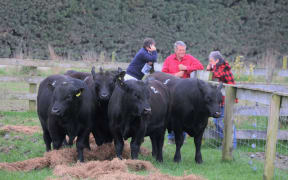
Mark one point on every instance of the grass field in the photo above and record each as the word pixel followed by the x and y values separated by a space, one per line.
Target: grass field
pixel 18 147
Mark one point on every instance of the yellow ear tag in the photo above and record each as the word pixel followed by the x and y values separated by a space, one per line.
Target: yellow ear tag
pixel 77 95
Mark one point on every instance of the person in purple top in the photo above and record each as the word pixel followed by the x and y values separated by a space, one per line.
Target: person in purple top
pixel 143 60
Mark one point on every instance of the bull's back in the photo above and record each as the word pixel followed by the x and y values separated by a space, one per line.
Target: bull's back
pixel 77 74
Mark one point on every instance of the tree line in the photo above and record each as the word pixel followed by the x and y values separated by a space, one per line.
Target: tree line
pixel 76 29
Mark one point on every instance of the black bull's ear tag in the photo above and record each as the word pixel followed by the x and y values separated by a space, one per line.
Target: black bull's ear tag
pixel 78 94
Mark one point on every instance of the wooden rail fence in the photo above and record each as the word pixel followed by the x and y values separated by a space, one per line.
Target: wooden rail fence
pixel 277 102
pixel 61 64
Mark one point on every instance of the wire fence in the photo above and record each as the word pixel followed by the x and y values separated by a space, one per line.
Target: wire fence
pixel 251 134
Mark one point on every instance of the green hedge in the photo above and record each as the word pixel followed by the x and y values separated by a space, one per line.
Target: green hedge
pixel 76 27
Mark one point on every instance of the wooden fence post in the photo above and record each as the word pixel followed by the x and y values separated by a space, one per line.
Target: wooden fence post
pixel 284 62
pixel 272 131
pixel 230 95
pixel 210 76
pixel 32 90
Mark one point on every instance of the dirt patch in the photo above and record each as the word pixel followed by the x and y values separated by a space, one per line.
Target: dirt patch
pixel 281 161
pixel 7 149
pixel 21 129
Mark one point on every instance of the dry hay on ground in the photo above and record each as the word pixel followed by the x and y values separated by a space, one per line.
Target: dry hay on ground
pixel 68 156
pixel 114 170
pixel 96 169
pixel 100 162
pixel 21 129
pixel 65 166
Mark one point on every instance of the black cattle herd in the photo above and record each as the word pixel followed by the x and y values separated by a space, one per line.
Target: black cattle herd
pixel 78 103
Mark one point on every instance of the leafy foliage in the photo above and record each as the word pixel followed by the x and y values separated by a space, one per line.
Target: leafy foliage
pixel 74 27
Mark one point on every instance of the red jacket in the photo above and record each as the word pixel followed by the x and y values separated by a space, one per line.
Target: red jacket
pixel 223 73
pixel 171 64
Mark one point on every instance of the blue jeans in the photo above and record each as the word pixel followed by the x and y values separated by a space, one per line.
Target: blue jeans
pixel 172 136
pixel 220 125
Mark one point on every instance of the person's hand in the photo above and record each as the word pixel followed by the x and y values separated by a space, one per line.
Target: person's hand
pixel 179 74
pixel 152 48
pixel 209 67
pixel 182 67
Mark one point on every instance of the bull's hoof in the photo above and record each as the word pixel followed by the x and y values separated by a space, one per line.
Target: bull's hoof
pixel 120 157
pixel 81 161
pixel 88 147
pixel 199 161
pixel 177 160
pixel 159 160
pixel 134 157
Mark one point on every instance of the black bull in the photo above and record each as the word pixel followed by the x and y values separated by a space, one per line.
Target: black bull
pixel 138 109
pixel 192 101
pixel 101 85
pixel 64 108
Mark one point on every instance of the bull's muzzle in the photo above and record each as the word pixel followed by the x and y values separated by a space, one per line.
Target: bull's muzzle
pixel 216 114
pixel 147 111
pixel 56 111
pixel 104 96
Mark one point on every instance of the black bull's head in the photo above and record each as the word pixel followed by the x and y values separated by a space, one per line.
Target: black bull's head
pixel 104 82
pixel 67 97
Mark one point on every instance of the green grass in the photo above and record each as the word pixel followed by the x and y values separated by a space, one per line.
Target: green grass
pixel 253 123
pixel 213 168
pixel 19 118
pixel 2 72
pixel 35 175
pixel 26 147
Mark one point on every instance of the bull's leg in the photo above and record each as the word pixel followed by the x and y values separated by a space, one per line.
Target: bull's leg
pixel 179 138
pixel 119 145
pixel 47 139
pixel 154 146
pixel 57 142
pixel 160 142
pixel 135 147
pixel 81 144
pixel 57 138
pixel 197 142
pixel 87 143
pixel 99 141
pixel 71 139
pixel 65 143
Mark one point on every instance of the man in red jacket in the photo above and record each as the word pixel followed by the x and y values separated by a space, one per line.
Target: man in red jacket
pixel 180 65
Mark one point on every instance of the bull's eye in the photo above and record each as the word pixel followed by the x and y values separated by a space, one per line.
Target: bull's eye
pixel 137 96
pixel 68 98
